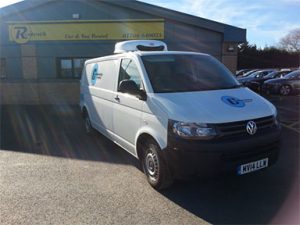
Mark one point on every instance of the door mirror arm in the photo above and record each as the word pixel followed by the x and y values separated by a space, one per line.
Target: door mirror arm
pixel 130 87
pixel 142 95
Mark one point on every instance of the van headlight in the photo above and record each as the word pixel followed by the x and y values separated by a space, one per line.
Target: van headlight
pixel 192 130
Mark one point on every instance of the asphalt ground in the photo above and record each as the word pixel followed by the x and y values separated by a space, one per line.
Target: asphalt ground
pixel 51 172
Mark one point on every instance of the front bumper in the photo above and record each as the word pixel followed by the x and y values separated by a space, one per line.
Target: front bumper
pixel 210 158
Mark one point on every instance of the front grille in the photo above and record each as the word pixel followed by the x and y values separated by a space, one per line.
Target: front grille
pixel 261 151
pixel 238 129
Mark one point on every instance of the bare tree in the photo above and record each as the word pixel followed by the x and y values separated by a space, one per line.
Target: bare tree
pixel 291 41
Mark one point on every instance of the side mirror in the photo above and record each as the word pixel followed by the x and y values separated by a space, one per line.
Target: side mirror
pixel 130 87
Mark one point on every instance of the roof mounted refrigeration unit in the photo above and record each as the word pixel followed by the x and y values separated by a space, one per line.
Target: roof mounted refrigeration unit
pixel 140 45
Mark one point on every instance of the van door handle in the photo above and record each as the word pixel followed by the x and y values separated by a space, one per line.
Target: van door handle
pixel 117 98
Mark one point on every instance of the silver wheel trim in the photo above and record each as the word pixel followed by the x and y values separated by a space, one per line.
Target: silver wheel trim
pixel 152 165
pixel 285 90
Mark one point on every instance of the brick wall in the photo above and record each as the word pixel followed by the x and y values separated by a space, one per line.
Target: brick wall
pixel 229 55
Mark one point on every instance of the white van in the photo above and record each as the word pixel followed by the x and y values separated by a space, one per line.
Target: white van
pixel 179 113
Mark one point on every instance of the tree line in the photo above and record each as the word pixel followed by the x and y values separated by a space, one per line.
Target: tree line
pixel 285 55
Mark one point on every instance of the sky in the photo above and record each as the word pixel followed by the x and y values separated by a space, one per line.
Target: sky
pixel 266 21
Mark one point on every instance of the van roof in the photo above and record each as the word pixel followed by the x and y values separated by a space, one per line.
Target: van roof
pixel 141 53
pixel 168 53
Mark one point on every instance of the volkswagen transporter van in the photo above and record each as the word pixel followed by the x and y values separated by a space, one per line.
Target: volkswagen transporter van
pixel 179 113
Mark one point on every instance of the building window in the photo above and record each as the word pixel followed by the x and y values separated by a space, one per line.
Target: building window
pixel 3 68
pixel 70 67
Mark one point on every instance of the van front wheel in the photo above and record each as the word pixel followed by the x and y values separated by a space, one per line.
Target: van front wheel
pixel 155 168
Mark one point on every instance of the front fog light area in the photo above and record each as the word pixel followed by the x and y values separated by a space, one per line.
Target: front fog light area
pixel 192 130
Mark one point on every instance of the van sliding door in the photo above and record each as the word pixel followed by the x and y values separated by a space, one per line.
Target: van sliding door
pixel 103 80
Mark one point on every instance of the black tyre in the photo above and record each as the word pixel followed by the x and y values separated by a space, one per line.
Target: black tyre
pixel 155 167
pixel 285 90
pixel 88 125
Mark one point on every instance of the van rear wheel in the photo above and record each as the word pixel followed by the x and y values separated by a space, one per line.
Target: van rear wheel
pixel 155 168
pixel 88 125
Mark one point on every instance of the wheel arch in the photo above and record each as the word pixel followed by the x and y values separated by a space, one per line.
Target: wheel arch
pixel 85 111
pixel 145 135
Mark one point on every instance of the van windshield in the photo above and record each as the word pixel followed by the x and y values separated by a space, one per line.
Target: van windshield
pixel 187 73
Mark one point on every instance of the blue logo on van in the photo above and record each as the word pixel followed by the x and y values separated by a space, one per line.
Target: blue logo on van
pixel 94 74
pixel 233 101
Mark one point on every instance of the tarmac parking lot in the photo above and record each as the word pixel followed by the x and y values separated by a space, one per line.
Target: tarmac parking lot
pixel 51 172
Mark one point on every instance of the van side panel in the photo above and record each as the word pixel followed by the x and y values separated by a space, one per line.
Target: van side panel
pixel 155 122
pixel 83 87
pixel 127 118
pixel 102 77
pixel 85 96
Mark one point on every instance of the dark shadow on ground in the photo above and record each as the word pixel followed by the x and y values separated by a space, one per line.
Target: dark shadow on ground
pixel 55 130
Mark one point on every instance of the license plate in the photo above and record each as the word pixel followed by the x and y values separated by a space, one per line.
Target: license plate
pixel 252 166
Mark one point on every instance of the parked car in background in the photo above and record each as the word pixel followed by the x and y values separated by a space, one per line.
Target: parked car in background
pixel 284 86
pixel 287 69
pixel 255 76
pixel 256 84
pixel 242 72
pixel 247 73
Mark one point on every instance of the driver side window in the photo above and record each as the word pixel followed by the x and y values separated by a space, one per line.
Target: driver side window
pixel 129 71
